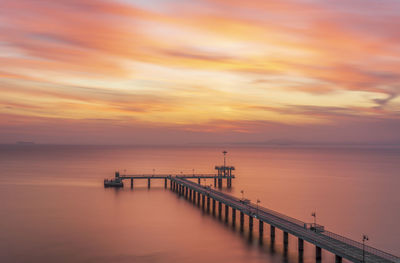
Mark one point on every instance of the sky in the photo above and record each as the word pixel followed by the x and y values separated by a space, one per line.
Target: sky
pixel 205 71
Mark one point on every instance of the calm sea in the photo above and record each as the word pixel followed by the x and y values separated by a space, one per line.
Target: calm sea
pixel 53 207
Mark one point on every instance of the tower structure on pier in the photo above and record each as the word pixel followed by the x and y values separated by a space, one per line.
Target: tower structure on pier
pixel 225 172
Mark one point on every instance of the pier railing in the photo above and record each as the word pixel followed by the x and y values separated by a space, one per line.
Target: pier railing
pixel 360 246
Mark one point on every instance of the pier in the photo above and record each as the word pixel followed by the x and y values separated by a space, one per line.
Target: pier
pixel 207 198
pixel 341 247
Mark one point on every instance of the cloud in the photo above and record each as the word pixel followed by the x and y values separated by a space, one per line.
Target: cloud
pixel 281 62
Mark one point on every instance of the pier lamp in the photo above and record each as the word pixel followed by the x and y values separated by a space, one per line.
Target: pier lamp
pixel 314 214
pixel 364 238
pixel 242 192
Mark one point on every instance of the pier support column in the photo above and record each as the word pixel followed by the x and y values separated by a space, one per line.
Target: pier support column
pixel 260 228
pixel 190 194
pixel 226 213
pixel 251 225
pixel 338 259
pixel 219 209
pixel 198 199
pixel 301 245
pixel 186 192
pixel 131 182
pixel 165 183
pixel 241 220
pixel 213 206
pixel 194 197
pixel 208 204
pixel 285 238
pixel 148 183
pixel 170 184
pixel 233 216
pixel 318 253
pixel 272 233
pixel 203 200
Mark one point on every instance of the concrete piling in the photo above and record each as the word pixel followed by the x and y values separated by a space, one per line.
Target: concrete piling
pixel 226 213
pixel 301 245
pixel 338 259
pixel 318 253
pixel 241 221
pixel 285 238
pixel 213 206
pixel 272 232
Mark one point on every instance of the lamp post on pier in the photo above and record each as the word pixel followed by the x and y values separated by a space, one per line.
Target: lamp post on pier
pixel 365 238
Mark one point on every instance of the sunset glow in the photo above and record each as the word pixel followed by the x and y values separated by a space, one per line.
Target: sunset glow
pixel 161 71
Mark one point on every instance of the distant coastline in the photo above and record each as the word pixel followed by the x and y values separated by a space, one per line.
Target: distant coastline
pixel 25 143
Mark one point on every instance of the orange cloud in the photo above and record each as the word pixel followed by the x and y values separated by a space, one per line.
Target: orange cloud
pixel 212 65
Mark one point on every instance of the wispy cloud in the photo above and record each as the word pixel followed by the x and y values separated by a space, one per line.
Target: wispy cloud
pixel 209 65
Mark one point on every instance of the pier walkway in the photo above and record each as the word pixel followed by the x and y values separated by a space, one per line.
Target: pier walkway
pixel 217 177
pixel 340 246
